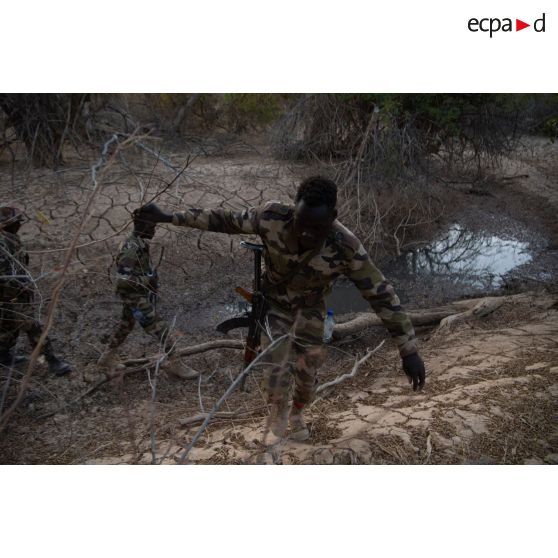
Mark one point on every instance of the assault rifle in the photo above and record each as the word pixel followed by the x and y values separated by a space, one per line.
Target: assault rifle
pixel 253 318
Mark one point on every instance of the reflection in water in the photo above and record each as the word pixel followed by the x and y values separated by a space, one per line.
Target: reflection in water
pixel 482 259
pixel 459 263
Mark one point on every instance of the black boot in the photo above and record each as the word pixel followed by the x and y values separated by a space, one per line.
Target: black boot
pixel 57 366
pixel 7 358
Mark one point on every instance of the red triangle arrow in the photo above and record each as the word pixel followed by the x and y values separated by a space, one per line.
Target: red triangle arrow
pixel 519 25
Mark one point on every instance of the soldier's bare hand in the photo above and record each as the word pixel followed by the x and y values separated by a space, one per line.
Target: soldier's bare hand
pixel 413 367
pixel 152 213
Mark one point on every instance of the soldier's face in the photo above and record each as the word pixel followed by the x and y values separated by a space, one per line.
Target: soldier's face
pixel 312 224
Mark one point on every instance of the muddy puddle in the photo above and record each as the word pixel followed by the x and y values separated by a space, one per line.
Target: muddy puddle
pixel 482 259
pixel 462 260
pixel 459 262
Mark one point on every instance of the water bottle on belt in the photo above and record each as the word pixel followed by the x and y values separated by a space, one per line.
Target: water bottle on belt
pixel 138 316
pixel 329 324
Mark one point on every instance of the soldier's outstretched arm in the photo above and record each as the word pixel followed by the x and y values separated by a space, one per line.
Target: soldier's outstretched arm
pixel 384 301
pixel 215 220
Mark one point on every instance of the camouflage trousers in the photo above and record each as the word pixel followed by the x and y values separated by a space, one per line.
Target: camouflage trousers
pixel 138 308
pixel 16 318
pixel 293 364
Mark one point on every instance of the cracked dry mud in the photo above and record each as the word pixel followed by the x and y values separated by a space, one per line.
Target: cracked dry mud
pixel 492 383
pixel 491 398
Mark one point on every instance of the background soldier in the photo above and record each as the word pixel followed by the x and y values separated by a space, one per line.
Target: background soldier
pixel 306 248
pixel 137 285
pixel 17 292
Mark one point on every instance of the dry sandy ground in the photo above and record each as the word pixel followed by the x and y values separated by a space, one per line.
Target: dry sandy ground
pixel 491 398
pixel 492 384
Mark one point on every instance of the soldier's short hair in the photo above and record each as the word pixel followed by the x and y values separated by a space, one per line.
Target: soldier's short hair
pixel 316 191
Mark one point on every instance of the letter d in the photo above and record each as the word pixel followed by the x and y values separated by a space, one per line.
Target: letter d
pixel 535 25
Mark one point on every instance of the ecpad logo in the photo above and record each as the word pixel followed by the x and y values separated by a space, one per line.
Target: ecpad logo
pixel 493 25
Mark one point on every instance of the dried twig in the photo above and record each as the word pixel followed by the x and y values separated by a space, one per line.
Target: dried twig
pixel 141 364
pixel 167 186
pixel 224 415
pixel 224 397
pixel 353 372
pixel 187 351
pixel 99 167
pixel 153 384
pixel 112 235
pixel 515 176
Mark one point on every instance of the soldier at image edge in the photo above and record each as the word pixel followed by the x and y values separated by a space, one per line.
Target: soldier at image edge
pixel 306 249
pixel 137 286
pixel 17 293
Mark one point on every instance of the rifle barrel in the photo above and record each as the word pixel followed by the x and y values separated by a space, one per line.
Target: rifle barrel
pixel 257 271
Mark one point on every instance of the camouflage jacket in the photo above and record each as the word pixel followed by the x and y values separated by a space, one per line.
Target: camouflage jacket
pixel 14 277
pixel 341 254
pixel 133 267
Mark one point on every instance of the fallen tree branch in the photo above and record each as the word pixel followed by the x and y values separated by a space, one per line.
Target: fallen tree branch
pixel 482 309
pixel 370 319
pixel 105 379
pixel 193 350
pixel 427 317
pixel 224 415
pixel 515 176
pixel 139 364
pixel 353 372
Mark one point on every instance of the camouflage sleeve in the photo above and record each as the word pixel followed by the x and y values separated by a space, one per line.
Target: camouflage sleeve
pixel 15 281
pixel 219 220
pixel 4 258
pixel 129 277
pixel 382 298
pixel 13 258
pixel 5 264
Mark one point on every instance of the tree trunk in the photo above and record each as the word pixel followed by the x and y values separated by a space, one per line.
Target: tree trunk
pixel 43 122
pixel 475 307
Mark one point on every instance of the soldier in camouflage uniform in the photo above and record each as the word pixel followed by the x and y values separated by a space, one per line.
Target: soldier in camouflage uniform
pixel 306 249
pixel 137 285
pixel 16 296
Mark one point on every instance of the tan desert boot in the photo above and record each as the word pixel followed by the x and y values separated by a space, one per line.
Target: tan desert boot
pixel 277 424
pixel 299 429
pixel 109 362
pixel 177 368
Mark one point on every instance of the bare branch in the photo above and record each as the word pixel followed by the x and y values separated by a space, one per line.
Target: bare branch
pixel 224 415
pixel 224 397
pixel 192 350
pixel 353 372
pixel 105 160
